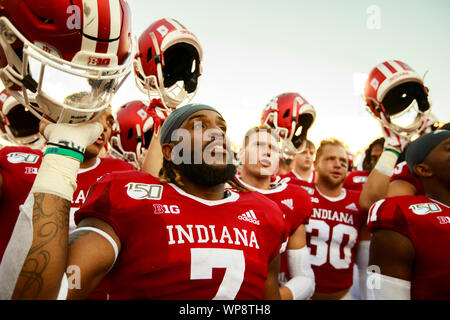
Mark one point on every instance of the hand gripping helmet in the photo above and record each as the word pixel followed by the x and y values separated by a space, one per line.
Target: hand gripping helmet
pixel 167 64
pixel 132 133
pixel 72 55
pixel 287 113
pixel 396 96
pixel 17 124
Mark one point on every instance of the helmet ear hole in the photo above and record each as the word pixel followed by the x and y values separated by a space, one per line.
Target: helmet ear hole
pixel 286 113
pixel 149 54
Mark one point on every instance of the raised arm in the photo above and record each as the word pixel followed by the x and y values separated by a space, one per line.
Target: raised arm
pixel 51 195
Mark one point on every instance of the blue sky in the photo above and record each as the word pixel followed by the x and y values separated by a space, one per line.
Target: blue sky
pixel 255 50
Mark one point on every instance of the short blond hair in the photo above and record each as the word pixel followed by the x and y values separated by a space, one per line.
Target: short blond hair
pixel 257 129
pixel 328 142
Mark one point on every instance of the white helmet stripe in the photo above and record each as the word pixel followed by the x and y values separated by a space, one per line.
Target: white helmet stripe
pixel 396 66
pixel 114 32
pixel 175 24
pixel 90 25
pixel 384 70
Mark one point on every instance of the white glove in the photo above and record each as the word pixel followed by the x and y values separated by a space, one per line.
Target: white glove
pixel 58 172
pixel 74 136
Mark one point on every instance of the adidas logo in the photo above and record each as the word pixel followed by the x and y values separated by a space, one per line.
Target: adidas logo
pixel 352 207
pixel 288 203
pixel 249 216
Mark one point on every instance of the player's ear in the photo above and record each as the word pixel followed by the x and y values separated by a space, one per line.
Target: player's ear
pixel 167 151
pixel 423 170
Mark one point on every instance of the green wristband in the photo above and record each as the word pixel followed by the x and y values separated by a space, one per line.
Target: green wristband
pixel 65 152
pixel 393 151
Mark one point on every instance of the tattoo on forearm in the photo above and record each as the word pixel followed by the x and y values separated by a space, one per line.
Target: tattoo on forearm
pixel 50 229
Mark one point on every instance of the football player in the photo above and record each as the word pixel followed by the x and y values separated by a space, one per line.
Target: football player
pixel 335 231
pixel 355 180
pixel 182 238
pixel 410 234
pixel 260 159
pixel 41 41
pixel 303 163
pixel 394 93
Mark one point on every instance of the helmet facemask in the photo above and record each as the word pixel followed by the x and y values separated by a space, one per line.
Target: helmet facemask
pixel 35 67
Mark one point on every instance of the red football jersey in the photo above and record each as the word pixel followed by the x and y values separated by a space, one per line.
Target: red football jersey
pixel 293 200
pixel 426 223
pixel 295 175
pixel 402 172
pixel 87 177
pixel 333 236
pixel 178 246
pixel 18 168
pixel 355 180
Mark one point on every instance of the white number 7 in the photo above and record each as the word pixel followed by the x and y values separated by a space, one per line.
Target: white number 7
pixel 203 260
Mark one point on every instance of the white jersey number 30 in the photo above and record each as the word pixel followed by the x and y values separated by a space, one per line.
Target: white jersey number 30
pixel 333 250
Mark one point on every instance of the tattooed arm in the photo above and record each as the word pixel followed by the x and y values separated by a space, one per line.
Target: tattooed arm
pixel 45 263
pixel 92 255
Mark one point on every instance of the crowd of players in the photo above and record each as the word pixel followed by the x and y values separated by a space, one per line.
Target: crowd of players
pixel 152 203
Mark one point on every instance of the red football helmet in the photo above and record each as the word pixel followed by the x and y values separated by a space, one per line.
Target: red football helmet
pixel 287 113
pixel 167 64
pixel 72 55
pixel 17 124
pixel 132 133
pixel 395 93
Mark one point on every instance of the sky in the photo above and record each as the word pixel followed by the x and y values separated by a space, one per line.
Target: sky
pixel 255 50
pixel 322 49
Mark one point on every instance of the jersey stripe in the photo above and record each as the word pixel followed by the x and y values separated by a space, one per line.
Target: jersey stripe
pixel 374 210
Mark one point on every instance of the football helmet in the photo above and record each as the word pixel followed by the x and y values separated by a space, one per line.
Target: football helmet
pixel 132 133
pixel 395 94
pixel 17 124
pixel 72 55
pixel 167 63
pixel 287 113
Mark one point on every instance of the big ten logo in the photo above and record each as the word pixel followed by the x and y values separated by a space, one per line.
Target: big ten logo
pixel 164 208
pixel 74 20
pixel 374 19
pixel 97 61
pixel 373 277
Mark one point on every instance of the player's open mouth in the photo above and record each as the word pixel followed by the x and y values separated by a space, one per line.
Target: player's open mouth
pixel 265 163
pixel 100 139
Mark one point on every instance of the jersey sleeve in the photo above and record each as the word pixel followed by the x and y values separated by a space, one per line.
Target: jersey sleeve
pixel 303 206
pixel 276 233
pixel 387 214
pixel 99 204
pixel 402 172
